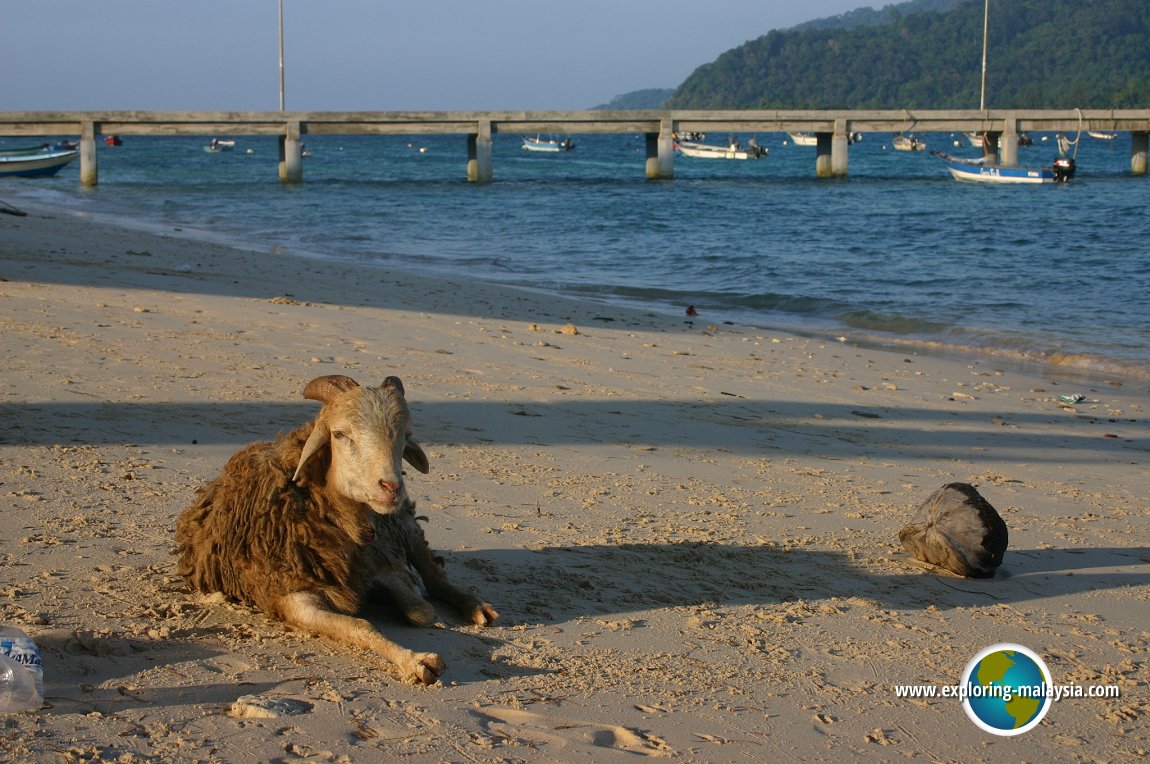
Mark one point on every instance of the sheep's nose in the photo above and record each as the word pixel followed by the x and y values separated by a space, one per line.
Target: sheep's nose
pixel 391 486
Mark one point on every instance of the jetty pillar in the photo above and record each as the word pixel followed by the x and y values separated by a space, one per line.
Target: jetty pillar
pixel 822 151
pixel 1139 148
pixel 89 174
pixel 831 151
pixel 291 155
pixel 661 152
pixel 840 143
pixel 479 153
pixel 1008 144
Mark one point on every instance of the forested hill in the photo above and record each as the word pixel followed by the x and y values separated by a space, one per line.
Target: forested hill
pixel 1042 54
pixel 869 17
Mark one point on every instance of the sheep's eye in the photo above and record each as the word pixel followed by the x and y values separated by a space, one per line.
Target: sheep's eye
pixel 338 434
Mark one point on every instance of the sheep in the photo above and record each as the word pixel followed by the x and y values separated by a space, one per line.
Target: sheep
pixel 305 527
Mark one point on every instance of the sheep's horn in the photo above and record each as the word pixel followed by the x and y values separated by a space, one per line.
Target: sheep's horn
pixel 324 389
pixel 394 382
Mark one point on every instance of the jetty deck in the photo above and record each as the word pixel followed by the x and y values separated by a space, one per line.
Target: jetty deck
pixel 832 127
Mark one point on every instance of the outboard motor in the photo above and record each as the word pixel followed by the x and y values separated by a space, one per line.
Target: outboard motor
pixel 1063 168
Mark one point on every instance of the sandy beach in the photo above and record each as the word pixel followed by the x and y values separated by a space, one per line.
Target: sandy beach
pixel 689 528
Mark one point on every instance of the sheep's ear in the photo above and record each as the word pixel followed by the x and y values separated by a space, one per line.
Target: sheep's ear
pixel 317 440
pixel 414 455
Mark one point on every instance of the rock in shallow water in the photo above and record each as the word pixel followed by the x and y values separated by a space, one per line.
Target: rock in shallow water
pixel 958 530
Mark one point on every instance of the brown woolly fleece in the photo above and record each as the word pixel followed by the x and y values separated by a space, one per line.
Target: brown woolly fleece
pixel 256 536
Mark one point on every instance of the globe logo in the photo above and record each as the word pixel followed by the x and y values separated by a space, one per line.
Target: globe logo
pixel 1007 689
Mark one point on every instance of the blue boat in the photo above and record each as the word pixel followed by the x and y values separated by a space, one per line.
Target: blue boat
pixel 984 171
pixel 27 163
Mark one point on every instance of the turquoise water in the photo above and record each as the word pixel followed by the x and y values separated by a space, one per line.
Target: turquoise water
pixel 898 252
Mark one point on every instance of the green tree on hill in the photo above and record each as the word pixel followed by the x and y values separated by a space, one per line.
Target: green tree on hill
pixel 1043 54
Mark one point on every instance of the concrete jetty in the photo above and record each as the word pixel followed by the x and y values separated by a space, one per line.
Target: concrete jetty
pixel 833 128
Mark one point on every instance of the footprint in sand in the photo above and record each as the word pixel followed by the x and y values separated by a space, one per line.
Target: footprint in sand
pixel 526 727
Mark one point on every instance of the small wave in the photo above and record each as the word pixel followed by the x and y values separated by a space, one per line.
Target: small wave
pixel 1088 364
pixel 893 323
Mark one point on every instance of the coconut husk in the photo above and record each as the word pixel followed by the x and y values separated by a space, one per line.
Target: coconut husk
pixel 957 529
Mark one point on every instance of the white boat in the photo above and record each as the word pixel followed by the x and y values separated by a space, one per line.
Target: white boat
pixel 733 150
pixel 907 143
pixel 31 163
pixel 216 145
pixel 547 145
pixel 804 139
pixel 1101 135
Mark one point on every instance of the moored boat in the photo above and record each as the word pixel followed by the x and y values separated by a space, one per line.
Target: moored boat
pixel 25 150
pixel 216 145
pixel 902 142
pixel 985 171
pixel 34 164
pixel 733 150
pixel 804 139
pixel 547 145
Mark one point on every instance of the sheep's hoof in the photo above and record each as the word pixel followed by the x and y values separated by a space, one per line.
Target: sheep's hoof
pixel 483 614
pixel 419 614
pixel 426 667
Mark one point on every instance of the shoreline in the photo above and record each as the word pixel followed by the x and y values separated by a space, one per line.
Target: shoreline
pixel 1071 367
pixel 690 530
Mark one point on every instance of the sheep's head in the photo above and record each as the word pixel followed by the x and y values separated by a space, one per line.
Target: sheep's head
pixel 367 432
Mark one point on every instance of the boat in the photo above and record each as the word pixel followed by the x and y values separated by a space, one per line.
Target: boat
pixel 216 145
pixel 907 143
pixel 113 140
pixel 974 138
pixel 547 145
pixel 812 139
pixel 26 150
pixel 985 170
pixel 733 150
pixel 1101 136
pixel 34 164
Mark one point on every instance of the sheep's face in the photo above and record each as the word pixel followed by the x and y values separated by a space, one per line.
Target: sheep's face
pixel 368 431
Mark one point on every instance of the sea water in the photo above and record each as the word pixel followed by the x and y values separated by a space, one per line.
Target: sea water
pixel 897 252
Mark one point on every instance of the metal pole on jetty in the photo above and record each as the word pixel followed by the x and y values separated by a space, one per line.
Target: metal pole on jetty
pixel 282 55
pixel 985 30
pixel 290 153
pixel 1001 148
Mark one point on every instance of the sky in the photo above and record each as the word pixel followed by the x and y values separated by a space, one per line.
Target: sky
pixel 368 55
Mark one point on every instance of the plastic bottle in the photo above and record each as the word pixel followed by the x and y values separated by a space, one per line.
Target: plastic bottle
pixel 21 676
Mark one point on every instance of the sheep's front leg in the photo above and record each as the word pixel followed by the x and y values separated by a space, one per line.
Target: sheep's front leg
pixel 404 592
pixel 308 611
pixel 435 578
